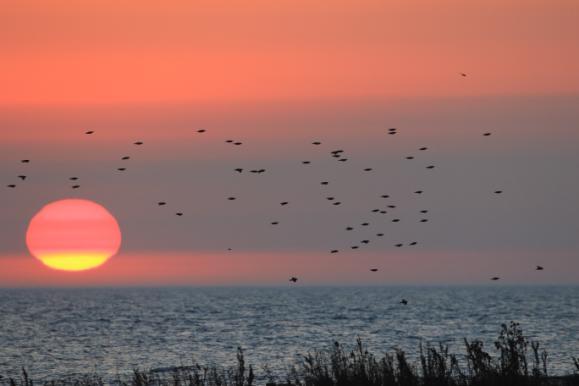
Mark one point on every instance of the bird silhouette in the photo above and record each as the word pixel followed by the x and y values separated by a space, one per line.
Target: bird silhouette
pixel 373 269
pixel 125 158
pixel 349 228
pixel 365 224
pixel 239 170
pixel 379 234
pixel 22 177
pixel 413 243
pixel 231 198
pixel 161 203
pixel 201 130
pixel 399 245
pixel 75 186
pixel 463 74
pixel 391 206
pixel 11 186
pixel 396 220
pixel 354 247
pixel 385 196
pixel 274 222
pixel 495 278
pixel 423 148
pixel 498 191
pixel 424 211
pixel 179 214
pixel 25 161
pixel 365 241
pixel 337 203
pixel 343 159
pixel 138 143
pixel 238 143
pixel 316 143
pixel 404 302
pixel 324 183
pixel 539 268
pixel 424 220
pixel 89 132
pixel 486 134
pixel 410 157
pixel 73 178
pixel 228 141
pixel 121 169
pixel 334 251
pixel 368 169
pixel 284 203
pixel 293 279
pixel 306 162
pixel 330 198
pixel 419 192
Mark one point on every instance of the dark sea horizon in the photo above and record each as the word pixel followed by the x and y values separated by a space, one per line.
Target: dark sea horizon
pixel 59 332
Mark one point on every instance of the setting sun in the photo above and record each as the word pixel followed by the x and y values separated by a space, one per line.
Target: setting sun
pixel 73 235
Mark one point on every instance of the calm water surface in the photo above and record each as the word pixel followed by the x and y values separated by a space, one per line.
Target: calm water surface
pixel 59 332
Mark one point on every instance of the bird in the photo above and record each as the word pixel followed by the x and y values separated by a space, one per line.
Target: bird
pixel 324 183
pixel 261 171
pixel 399 245
pixel 392 132
pixel 392 129
pixel 274 222
pixel 410 157
pixel 373 269
pixel 179 214
pixel 404 301
pixel 365 224
pixel 498 191
pixel 365 241
pixel 121 169
pixel 349 228
pixel 539 268
pixel 463 74
pixel 423 148
pixel 306 162
pixel 486 134
pixel 11 186
pixel 201 130
pixel 419 192
pixel 391 206
pixel 430 167
pixel 424 211
pixel 316 143
pixel 138 143
pixel 237 143
pixel 354 247
pixel 293 279
pixel 231 198
pixel 368 169
pixel 385 196
pixel 379 234
pixel 383 212
pixel 334 251
pixel 337 203
pixel 75 186
pixel 228 141
pixel 329 198
pixel 495 278
pixel 73 178
pixel 413 243
pixel 284 203
pixel 161 203
pixel 396 220
pixel 25 161
pixel 424 220
pixel 343 159
pixel 89 132
pixel 125 158
pixel 22 177
pixel 375 210
pixel 239 170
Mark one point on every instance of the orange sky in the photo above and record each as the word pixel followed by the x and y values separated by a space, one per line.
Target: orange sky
pixel 283 72
pixel 62 52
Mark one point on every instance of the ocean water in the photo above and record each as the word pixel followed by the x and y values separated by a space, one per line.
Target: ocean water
pixel 56 332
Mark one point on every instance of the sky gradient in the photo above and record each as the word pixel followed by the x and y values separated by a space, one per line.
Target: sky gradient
pixel 277 76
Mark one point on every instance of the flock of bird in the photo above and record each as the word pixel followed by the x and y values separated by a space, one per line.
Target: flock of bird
pixel 339 155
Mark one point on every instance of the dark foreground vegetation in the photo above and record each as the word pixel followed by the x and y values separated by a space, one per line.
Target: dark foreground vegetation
pixel 515 361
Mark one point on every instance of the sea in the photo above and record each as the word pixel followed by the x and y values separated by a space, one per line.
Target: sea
pixel 55 333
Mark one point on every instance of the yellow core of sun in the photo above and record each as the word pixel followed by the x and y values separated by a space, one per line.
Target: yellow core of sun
pixel 74 261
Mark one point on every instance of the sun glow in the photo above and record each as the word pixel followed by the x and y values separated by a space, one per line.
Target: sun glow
pixel 73 235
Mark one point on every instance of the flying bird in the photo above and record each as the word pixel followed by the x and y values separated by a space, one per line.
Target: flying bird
pixel 539 268
pixel 161 203
pixel 284 203
pixel 424 220
pixel 495 278
pixel 373 269
pixel 125 158
pixel 368 169
pixel 349 228
pixel 486 134
pixel 274 222
pixel 231 198
pixel 89 132
pixel 365 224
pixel 179 214
pixel 293 279
pixel 399 245
pixel 413 243
pixel 334 251
pixel 306 162
pixel 11 186
pixel 75 186
pixel 324 183
pixel 410 157
pixel 316 143
pixel 201 130
pixel 25 161
pixel 239 170
pixel 379 234
pixel 138 143
pixel 396 220
pixel 22 177
pixel 73 178
pixel 121 169
pixel 419 192
pixel 404 301
pixel 430 167
pixel 423 148
pixel 498 191
pixel 463 74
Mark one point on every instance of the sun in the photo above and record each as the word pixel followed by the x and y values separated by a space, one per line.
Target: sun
pixel 73 235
